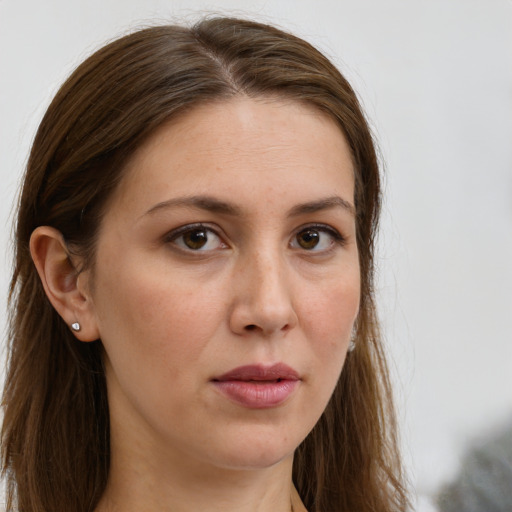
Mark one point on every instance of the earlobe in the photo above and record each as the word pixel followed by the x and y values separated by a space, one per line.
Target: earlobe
pixel 60 281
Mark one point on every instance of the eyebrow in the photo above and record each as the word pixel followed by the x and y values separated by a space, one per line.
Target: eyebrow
pixel 327 203
pixel 212 204
pixel 207 203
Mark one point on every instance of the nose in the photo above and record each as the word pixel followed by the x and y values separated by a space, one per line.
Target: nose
pixel 262 297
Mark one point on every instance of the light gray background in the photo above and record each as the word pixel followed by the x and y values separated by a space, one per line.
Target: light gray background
pixel 435 78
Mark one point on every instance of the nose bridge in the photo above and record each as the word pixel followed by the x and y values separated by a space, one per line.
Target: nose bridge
pixel 268 277
pixel 263 297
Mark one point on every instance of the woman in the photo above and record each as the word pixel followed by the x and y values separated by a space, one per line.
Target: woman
pixel 193 324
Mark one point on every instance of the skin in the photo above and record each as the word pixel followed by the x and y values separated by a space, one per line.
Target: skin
pixel 172 317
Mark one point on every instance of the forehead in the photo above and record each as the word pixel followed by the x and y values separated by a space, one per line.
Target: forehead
pixel 240 148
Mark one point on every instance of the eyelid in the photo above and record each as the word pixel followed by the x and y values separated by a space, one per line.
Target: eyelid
pixel 174 234
pixel 337 237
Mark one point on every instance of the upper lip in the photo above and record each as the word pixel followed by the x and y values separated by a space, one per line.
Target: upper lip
pixel 258 372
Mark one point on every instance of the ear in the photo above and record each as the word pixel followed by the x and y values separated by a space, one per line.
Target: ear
pixel 66 289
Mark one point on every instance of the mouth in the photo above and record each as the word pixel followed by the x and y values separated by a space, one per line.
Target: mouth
pixel 258 386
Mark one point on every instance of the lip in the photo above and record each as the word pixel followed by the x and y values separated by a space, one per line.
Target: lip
pixel 258 386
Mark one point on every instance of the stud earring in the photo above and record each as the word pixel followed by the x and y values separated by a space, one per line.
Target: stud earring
pixel 76 326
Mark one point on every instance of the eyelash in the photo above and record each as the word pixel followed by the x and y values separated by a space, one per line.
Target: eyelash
pixel 337 237
pixel 190 228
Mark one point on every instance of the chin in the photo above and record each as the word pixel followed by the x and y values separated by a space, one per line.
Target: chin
pixel 253 462
pixel 254 453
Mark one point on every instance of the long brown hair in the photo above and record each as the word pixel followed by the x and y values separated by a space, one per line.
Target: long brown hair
pixel 55 436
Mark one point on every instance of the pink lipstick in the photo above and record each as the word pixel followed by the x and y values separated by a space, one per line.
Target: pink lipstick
pixel 258 386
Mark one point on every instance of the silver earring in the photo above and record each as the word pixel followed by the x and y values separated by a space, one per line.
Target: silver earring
pixel 352 343
pixel 76 326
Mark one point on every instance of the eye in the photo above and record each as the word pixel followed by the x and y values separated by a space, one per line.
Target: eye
pixel 316 238
pixel 196 238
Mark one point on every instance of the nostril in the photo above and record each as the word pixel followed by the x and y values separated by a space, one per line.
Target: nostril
pixel 250 327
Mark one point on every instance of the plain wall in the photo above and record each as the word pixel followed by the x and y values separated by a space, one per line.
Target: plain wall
pixel 436 81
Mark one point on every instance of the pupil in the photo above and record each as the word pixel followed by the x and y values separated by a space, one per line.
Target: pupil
pixel 308 239
pixel 195 239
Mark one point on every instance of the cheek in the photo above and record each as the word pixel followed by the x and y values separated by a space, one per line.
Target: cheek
pixel 156 315
pixel 328 324
pixel 333 310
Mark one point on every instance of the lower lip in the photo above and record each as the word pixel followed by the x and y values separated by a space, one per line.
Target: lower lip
pixel 257 394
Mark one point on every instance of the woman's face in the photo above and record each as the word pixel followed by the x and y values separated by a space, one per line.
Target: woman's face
pixel 227 283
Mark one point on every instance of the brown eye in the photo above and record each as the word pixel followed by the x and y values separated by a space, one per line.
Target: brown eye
pixel 317 239
pixel 195 239
pixel 308 239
